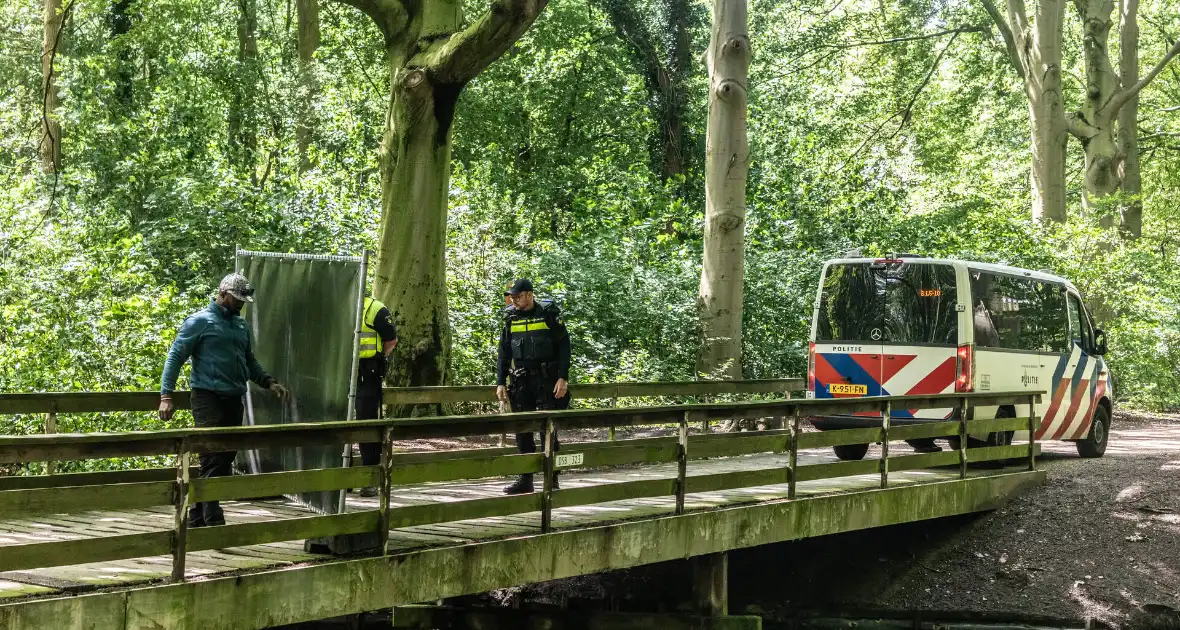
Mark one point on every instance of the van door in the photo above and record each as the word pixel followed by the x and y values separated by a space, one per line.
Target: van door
pixel 921 333
pixel 1076 383
pixel 848 331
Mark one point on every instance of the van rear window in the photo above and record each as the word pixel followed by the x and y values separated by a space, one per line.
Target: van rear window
pixel 896 303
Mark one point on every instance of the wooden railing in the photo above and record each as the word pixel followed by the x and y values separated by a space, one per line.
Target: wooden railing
pixel 142 489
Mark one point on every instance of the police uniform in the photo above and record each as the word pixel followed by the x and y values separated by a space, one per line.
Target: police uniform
pixel 376 329
pixel 534 352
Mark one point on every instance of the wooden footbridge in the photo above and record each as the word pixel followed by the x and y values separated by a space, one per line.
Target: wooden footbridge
pixel 112 550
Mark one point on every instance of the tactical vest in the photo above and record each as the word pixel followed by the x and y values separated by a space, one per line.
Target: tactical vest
pixel 530 335
pixel 369 339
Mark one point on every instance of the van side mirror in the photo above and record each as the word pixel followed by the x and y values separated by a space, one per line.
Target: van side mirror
pixel 1100 342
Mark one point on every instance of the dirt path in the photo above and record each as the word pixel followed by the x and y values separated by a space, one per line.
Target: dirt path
pixel 1100 540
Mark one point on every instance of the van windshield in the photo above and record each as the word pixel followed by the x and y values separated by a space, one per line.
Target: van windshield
pixel 895 303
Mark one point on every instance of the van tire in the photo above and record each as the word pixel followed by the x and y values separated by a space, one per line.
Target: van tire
pixel 1094 444
pixel 851 452
pixel 995 438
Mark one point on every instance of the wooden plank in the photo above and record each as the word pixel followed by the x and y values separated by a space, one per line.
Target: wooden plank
pixel 417 457
pixel 243 534
pixel 29 482
pixel 86 402
pixel 84 550
pixel 732 444
pixel 62 447
pixel 583 391
pixel 425 514
pixel 622 454
pixel 465 468
pixel 840 437
pixel 608 492
pixel 924 430
pixel 838 469
pixel 739 479
pixel 924 460
pixel 85 498
pixel 997 424
pixel 278 483
pixel 993 453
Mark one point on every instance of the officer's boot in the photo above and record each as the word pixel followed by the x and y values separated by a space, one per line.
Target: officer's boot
pixel 556 486
pixel 524 485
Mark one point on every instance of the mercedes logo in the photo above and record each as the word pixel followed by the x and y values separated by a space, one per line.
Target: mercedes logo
pixel 876 334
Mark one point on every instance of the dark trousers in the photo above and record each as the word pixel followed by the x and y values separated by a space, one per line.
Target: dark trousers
pixel 368 406
pixel 214 409
pixel 532 391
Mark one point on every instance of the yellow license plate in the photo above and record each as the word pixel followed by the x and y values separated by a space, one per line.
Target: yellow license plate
pixel 841 388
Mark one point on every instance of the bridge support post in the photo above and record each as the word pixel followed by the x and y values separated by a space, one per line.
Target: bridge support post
pixel 710 584
pixel 963 411
pixel 547 482
pixel 50 429
pixel 1033 425
pixel 180 517
pixel 793 456
pixel 886 418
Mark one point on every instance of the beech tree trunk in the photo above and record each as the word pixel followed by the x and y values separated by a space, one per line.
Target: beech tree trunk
pixel 50 144
pixel 307 41
pixel 243 140
pixel 1131 224
pixel 431 57
pixel 727 161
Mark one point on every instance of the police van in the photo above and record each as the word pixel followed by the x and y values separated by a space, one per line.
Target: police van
pixel 905 325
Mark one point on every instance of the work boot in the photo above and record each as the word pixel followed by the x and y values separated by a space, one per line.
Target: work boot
pixel 214 516
pixel 556 486
pixel 195 517
pixel 524 485
pixel 369 492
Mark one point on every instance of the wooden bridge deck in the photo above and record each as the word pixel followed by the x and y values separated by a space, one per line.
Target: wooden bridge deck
pixel 203 564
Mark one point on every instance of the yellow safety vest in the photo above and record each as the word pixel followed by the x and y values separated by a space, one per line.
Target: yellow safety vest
pixel 369 339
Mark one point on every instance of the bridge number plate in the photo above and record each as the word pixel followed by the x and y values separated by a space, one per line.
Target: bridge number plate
pixel 842 388
pixel 570 459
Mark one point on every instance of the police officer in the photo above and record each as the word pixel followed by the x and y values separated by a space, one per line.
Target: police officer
pixel 377 340
pixel 535 352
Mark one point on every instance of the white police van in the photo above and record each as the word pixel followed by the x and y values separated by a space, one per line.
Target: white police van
pixel 906 325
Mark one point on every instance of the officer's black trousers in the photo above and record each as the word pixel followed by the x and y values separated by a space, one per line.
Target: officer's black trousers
pixel 368 405
pixel 534 392
pixel 214 409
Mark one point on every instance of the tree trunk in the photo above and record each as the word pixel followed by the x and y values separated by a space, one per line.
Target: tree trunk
pixel 1131 225
pixel 50 145
pixel 411 263
pixel 120 23
pixel 430 60
pixel 243 140
pixel 1047 113
pixel 727 160
pixel 1094 125
pixel 308 40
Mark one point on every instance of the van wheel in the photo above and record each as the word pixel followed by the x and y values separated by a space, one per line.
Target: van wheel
pixel 995 438
pixel 851 452
pixel 1094 444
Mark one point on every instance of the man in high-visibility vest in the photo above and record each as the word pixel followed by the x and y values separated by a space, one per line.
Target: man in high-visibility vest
pixel 377 341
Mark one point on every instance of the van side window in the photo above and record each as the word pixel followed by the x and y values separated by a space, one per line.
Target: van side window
pixel 1080 332
pixel 1017 313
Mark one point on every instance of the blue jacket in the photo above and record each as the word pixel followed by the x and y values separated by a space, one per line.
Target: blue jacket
pixel 222 350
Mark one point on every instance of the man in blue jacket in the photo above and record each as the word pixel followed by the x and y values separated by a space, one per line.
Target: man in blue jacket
pixel 219 343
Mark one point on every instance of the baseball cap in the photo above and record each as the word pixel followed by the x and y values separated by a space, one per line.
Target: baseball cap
pixel 520 286
pixel 238 286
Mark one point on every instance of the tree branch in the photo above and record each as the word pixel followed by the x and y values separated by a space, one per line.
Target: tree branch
pixel 390 16
pixel 1079 127
pixel 1118 100
pixel 1006 32
pixel 911 38
pixel 459 58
